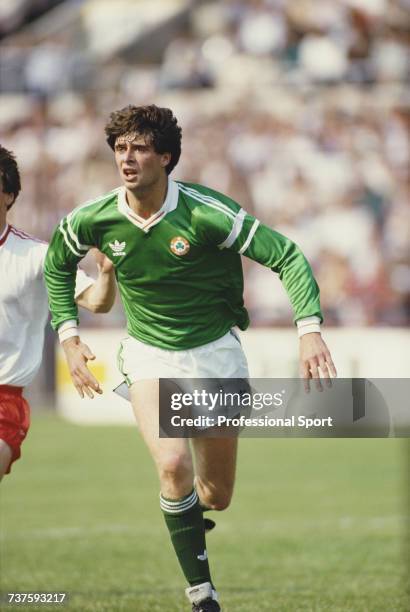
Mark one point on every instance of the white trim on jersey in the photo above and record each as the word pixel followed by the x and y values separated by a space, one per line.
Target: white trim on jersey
pixel 72 234
pixel 235 231
pixel 72 249
pixel 74 237
pixel 208 200
pixel 308 325
pixel 170 204
pixel 94 201
pixel 250 236
pixel 68 329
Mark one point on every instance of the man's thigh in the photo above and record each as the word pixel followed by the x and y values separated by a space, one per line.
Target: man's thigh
pixel 145 403
pixel 215 461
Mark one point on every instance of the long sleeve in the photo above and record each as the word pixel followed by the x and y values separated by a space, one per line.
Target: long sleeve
pixel 232 228
pixel 60 268
pixel 284 257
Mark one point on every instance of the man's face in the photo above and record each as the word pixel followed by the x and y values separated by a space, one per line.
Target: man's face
pixel 140 167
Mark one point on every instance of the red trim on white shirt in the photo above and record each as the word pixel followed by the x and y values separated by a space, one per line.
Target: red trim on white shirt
pixel 24 235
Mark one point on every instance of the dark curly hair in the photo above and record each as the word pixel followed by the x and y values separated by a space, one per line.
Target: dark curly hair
pixel 158 123
pixel 10 175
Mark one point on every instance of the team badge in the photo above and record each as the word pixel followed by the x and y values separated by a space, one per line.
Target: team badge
pixel 179 245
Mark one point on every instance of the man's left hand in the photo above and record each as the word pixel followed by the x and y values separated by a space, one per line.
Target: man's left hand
pixel 315 360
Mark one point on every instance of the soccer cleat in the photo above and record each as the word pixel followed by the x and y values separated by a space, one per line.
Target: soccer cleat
pixel 209 524
pixel 208 605
pixel 203 598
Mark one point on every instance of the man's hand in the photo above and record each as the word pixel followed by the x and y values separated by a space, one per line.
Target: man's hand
pixel 315 359
pixel 100 296
pixel 77 354
pixel 104 264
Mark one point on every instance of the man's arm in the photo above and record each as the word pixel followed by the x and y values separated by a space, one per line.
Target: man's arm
pixel 245 235
pixel 100 296
pixel 68 246
pixel 284 257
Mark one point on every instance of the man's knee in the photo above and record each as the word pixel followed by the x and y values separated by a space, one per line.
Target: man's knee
pixel 175 467
pixel 220 502
pixel 215 497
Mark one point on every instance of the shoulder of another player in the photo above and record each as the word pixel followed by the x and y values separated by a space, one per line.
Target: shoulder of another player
pixel 25 244
pixel 24 238
pixel 29 249
pixel 38 255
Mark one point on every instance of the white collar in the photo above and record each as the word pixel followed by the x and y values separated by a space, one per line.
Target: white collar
pixel 170 203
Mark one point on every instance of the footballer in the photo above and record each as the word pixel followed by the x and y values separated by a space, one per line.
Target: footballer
pixel 24 312
pixel 176 248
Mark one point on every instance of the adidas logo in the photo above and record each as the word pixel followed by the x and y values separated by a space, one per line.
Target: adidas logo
pixel 203 557
pixel 117 248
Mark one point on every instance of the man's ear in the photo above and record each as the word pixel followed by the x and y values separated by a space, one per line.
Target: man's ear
pixel 165 159
pixel 9 199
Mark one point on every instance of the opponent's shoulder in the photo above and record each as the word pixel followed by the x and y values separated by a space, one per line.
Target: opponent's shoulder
pixel 205 200
pixel 23 242
pixel 30 250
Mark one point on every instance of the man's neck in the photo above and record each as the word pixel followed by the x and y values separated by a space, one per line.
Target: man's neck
pixel 3 224
pixel 146 202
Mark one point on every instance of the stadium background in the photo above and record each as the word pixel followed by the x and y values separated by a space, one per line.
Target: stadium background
pixel 299 110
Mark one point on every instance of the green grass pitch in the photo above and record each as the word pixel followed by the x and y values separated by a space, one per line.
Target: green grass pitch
pixel 315 525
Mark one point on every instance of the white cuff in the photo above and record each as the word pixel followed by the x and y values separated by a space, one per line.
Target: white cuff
pixel 68 329
pixel 308 325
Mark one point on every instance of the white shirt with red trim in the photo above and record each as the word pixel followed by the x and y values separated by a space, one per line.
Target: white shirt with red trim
pixel 23 305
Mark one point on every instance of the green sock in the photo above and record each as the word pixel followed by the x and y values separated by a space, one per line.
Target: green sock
pixel 186 527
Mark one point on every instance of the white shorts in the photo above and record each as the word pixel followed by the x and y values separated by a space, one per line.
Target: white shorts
pixel 223 358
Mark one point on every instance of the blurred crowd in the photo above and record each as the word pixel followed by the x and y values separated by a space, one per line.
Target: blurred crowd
pixel 296 109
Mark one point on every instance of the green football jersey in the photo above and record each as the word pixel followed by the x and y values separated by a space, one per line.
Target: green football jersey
pixel 179 272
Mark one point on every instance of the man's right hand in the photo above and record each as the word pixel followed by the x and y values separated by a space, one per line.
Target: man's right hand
pixel 78 354
pixel 104 264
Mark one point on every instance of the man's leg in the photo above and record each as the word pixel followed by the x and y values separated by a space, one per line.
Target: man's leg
pixel 215 466
pixel 5 457
pixel 178 500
